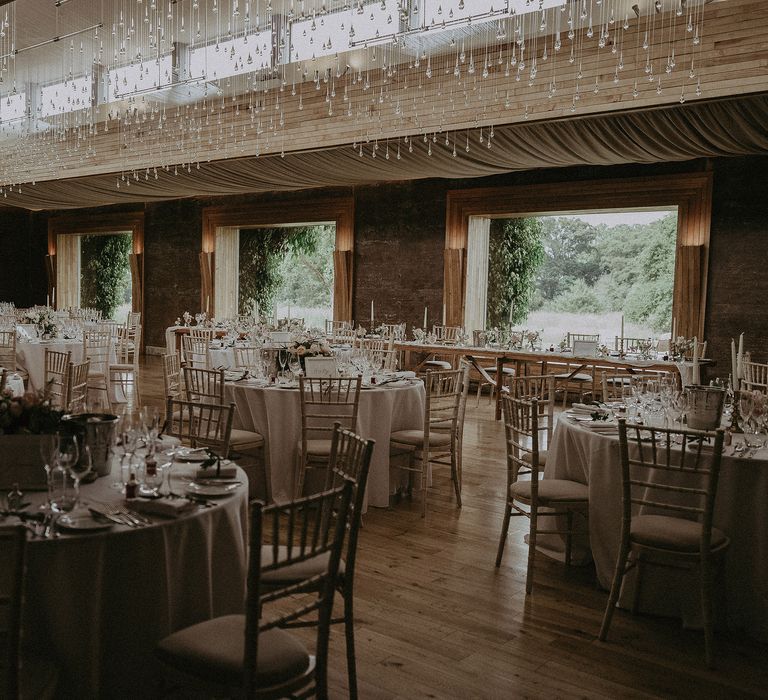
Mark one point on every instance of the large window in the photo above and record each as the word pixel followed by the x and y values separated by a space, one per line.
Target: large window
pixel 582 273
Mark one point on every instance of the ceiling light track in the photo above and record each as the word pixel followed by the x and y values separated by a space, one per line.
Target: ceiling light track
pixel 52 40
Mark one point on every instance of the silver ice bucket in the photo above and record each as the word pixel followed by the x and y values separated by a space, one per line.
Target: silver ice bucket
pixel 97 430
pixel 705 406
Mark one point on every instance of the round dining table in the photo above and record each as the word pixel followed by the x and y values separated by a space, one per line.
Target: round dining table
pixel 30 355
pixel 590 455
pixel 98 601
pixel 275 412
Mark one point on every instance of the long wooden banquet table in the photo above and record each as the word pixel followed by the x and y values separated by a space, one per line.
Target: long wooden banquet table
pixel 415 354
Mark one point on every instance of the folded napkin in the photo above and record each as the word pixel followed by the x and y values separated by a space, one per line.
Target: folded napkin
pixel 165 507
pixel 601 426
pixel 226 472
pixel 584 408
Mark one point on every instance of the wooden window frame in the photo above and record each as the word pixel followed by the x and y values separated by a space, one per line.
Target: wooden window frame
pixel 691 193
pixel 113 222
pixel 340 210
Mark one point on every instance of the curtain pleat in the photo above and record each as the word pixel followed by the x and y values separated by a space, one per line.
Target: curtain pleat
pixel 730 127
pixel 342 285
pixel 453 267
pixel 226 275
pixel 67 271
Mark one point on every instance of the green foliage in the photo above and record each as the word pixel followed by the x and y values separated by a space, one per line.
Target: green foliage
pixel 578 298
pixel 273 257
pixel 514 255
pixel 104 271
pixel 308 276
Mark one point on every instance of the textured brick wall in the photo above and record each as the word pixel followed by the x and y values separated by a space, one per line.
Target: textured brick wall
pixel 22 256
pixel 399 240
pixel 738 271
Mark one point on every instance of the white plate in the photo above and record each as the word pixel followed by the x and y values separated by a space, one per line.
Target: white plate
pixel 211 490
pixel 81 522
pixel 190 456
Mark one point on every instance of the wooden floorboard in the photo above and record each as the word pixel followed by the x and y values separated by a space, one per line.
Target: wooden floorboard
pixel 436 619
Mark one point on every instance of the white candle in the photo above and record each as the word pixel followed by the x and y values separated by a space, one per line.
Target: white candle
pixel 511 310
pixel 622 329
pixel 207 303
pixel 443 314
pixel 372 314
pixel 740 358
pixel 696 375
pixel 674 328
pixel 289 312
pixel 54 298
pixel 47 300
pixel 425 318
pixel 734 366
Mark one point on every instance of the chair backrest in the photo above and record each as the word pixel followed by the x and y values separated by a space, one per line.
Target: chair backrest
pixel 542 388
pixel 376 344
pixel 446 334
pixel 97 347
pixel 134 320
pixel 755 375
pixel 584 348
pixel 326 401
pixel 444 390
pixel 202 333
pixel 8 321
pixel 204 385
pixel 350 459
pixel 627 344
pixel 521 435
pixel 572 337
pixel 196 351
pixel 479 338
pixel 383 359
pixel 172 383
pixel 308 529
pixel 395 331
pixel 128 344
pixel 8 349
pixel 77 387
pixel 247 357
pixel 56 376
pixel 13 542
pixel 670 472
pixel 616 384
pixel 200 424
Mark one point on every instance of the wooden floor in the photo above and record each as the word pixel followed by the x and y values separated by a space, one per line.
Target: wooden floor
pixel 436 619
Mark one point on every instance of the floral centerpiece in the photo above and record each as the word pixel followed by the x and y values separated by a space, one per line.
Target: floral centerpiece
pixel 516 340
pixel 644 347
pixel 306 345
pixel 532 338
pixel 44 320
pixel 680 347
pixel 31 414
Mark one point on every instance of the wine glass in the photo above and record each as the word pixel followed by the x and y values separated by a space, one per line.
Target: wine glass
pixel 48 446
pixel 294 364
pixel 67 451
pixel 282 358
pixel 81 468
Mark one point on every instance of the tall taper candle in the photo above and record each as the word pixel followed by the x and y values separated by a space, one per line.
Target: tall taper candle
pixel 734 367
pixel 622 330
pixel 372 315
pixel 443 314
pixel 740 357
pixel 696 378
pixel 674 329
pixel 47 300
pixel 425 319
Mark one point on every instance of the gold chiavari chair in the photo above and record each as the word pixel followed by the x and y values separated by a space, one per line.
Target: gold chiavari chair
pixel 56 376
pixel 98 347
pixel 8 353
pixel 668 485
pixel 77 387
pixel 200 424
pixel 561 497
pixel 755 375
pixel 542 388
pixel 196 351
pixel 438 439
pixel 172 380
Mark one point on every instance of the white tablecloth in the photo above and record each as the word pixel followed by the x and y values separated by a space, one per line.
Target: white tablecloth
pixel 741 511
pixel 97 604
pixel 276 414
pixel 31 356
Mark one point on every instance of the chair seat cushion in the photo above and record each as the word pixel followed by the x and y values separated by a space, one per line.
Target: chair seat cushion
pixel 294 573
pixel 666 532
pixel 213 651
pixel 243 439
pixel 528 458
pixel 551 490
pixel 318 447
pixel 441 364
pixel 578 377
pixel 416 438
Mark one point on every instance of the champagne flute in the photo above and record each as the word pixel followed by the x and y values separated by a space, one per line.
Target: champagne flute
pixel 81 468
pixel 282 358
pixel 49 445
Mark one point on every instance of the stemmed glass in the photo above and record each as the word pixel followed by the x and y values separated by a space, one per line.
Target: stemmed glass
pixel 63 495
pixel 282 358
pixel 294 364
pixel 49 445
pixel 79 469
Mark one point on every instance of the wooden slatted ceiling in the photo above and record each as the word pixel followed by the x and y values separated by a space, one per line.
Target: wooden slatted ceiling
pixel 733 61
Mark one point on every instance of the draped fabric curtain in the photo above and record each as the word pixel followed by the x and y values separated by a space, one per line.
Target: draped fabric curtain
pixel 475 303
pixel 67 271
pixel 226 275
pixel 734 126
pixel 206 282
pixel 690 263
pixel 453 285
pixel 342 285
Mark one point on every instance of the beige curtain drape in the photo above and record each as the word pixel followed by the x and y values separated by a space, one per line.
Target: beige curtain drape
pixel 690 262
pixel 67 271
pixel 226 275
pixel 453 285
pixel 342 285
pixel 476 299
pixel 729 127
